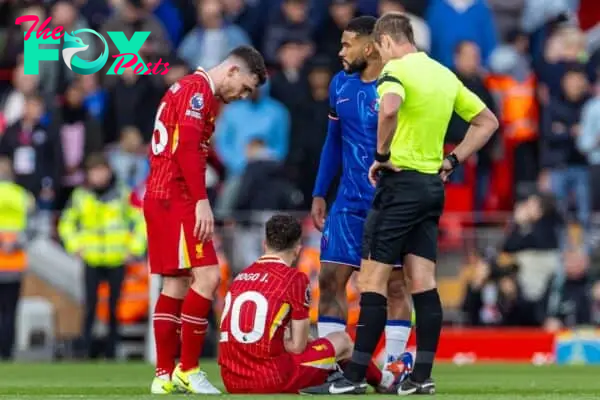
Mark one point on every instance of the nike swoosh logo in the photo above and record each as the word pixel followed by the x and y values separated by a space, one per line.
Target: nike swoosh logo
pixel 340 101
pixel 334 390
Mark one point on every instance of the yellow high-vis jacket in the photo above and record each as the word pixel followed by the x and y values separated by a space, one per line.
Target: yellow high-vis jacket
pixel 104 230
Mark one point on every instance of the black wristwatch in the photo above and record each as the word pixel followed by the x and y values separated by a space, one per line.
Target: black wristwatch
pixel 382 157
pixel 453 160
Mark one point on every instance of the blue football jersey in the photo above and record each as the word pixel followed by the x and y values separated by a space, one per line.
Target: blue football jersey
pixel 355 104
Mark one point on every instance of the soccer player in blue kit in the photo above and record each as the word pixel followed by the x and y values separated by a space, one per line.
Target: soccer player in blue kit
pixel 350 146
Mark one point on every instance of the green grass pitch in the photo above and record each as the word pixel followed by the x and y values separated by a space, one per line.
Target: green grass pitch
pixel 131 381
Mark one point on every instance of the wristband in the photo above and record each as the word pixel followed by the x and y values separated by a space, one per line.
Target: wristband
pixel 453 160
pixel 382 157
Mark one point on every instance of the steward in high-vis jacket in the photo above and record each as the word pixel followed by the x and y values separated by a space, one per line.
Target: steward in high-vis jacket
pixel 101 227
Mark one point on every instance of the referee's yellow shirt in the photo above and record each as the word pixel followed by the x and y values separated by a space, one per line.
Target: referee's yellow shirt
pixel 430 93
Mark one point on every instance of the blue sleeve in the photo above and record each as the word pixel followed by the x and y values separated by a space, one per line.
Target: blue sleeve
pixel 331 155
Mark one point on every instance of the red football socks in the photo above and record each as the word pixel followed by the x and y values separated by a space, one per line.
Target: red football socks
pixel 193 328
pixel 373 375
pixel 167 323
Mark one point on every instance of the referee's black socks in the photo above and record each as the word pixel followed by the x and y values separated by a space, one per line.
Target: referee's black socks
pixel 371 323
pixel 428 310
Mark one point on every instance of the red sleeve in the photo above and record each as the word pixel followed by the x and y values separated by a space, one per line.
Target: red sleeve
pixel 192 149
pixel 300 297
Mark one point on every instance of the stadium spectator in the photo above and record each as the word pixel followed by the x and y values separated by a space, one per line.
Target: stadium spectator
pixel 311 116
pixel 289 84
pixel 169 15
pixel 32 149
pixel 471 20
pixel 264 189
pixel 291 19
pixel 23 85
pixel 420 28
pixel 248 15
pixel 493 296
pixel 128 160
pixel 212 39
pixel 513 85
pixel 467 61
pixel 588 143
pixel 507 16
pixel 571 298
pixel 103 229
pixel 532 243
pixel 177 69
pixel 17 203
pixel 13 45
pixel 564 49
pixel 78 135
pixel 131 17
pixel 94 99
pixel 55 77
pixel 560 128
pixel 328 36
pixel 96 12
pixel 130 102
pixel 259 116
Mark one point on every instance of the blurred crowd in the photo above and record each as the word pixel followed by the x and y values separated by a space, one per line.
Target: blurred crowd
pixel 535 63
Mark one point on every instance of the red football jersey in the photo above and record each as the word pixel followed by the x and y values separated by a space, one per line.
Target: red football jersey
pixel 261 302
pixel 183 126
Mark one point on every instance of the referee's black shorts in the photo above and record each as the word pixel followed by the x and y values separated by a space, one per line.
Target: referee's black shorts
pixel 404 217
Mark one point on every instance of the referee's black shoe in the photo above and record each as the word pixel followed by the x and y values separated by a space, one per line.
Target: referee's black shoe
pixel 336 385
pixel 408 386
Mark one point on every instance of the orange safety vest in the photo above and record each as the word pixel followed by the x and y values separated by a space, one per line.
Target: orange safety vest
pixel 14 261
pixel 134 302
pixel 518 107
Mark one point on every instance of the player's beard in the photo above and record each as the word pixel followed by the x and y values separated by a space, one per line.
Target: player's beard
pixel 358 65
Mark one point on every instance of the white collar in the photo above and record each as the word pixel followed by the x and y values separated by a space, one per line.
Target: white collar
pixel 202 71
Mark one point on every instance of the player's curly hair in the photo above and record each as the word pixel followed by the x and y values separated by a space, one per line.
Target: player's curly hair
pixel 282 232
pixel 253 60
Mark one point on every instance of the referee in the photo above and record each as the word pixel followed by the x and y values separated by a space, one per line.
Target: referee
pixel 417 97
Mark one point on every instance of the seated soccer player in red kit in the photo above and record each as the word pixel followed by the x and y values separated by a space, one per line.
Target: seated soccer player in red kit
pixel 265 345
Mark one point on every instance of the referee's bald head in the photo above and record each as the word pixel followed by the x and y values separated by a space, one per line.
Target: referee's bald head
pixel 397 26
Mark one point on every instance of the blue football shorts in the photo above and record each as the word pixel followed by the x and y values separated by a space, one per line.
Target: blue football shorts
pixel 341 242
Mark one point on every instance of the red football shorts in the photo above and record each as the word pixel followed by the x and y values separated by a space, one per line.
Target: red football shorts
pixel 310 368
pixel 172 247
pixel 313 366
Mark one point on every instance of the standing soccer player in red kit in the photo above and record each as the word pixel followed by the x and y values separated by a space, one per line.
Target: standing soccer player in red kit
pixel 179 217
pixel 265 345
